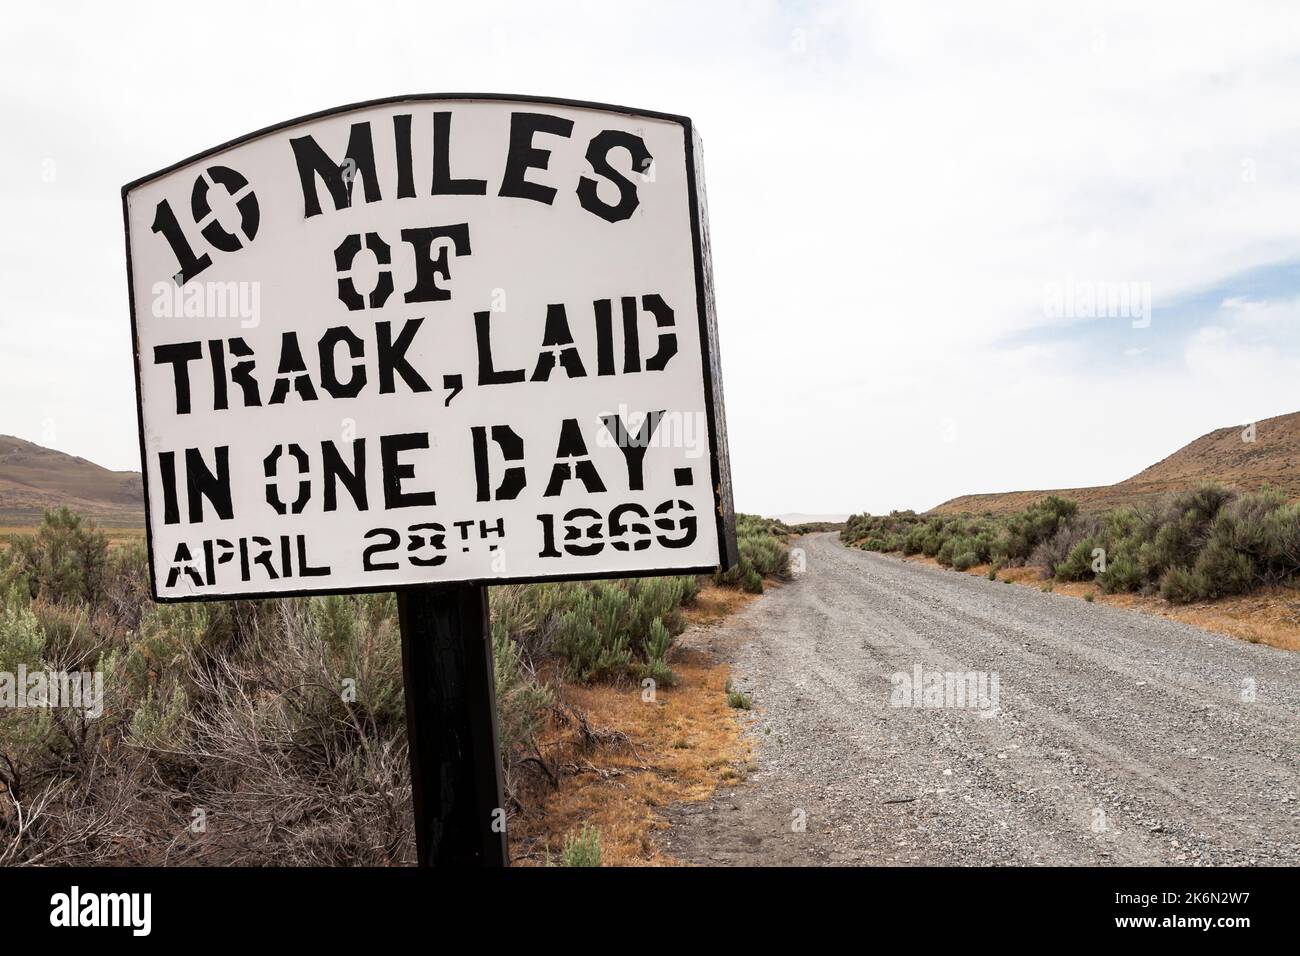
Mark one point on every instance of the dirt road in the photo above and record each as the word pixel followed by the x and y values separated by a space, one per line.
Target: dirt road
pixel 1108 738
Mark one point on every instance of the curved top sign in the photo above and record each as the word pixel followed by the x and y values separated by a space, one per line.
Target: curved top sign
pixel 429 339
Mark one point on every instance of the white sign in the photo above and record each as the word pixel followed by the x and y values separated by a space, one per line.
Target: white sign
pixel 452 338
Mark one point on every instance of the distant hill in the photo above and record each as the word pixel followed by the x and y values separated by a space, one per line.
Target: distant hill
pixel 34 479
pixel 1272 459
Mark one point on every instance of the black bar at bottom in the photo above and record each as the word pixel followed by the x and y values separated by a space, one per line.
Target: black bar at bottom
pixel 1002 905
pixel 451 726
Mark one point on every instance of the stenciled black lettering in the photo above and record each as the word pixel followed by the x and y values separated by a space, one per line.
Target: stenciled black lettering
pixel 392 357
pixel 396 471
pixel 428 269
pixel 598 151
pixel 338 176
pixel 443 183
pixel 179 356
pixel 523 155
pixel 487 373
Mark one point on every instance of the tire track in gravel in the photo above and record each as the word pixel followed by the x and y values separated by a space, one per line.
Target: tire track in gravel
pixel 1118 738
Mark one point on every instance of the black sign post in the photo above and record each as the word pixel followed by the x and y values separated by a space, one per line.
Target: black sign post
pixel 451 726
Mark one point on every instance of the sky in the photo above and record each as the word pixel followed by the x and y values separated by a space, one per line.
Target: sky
pixel 915 210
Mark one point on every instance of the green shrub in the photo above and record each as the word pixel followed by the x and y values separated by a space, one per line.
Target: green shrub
pixel 1198 545
pixel 582 849
pixel 521 700
pixel 1173 546
pixel 1123 573
pixel 932 543
pixel 1220 571
pixel 659 672
pixel 657 643
pixel 1054 550
pixel 1123 524
pixel 606 630
pixel 159 721
pixel 1179 586
pixel 1197 508
pixel 591 638
pixel 21 639
pixel 879 532
pixel 766 555
pixel 65 560
pixel 1184 527
pixel 1279 550
pixel 739 700
pixel 1077 565
pixel 1025 530
pixel 1212 542
pixel 652 599
pixel 757 525
pixel 1262 526
pixel 762 551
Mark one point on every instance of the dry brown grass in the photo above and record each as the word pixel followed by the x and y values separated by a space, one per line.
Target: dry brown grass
pixel 1270 616
pixel 1026 575
pixel 117 537
pixel 714 604
pixel 626 758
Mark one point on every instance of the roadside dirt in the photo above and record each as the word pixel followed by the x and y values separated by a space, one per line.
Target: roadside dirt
pixel 635 756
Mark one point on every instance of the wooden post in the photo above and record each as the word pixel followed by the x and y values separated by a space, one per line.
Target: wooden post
pixel 451 726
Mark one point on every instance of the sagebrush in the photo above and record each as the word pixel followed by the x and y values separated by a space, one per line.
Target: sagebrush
pixel 1205 543
pixel 273 731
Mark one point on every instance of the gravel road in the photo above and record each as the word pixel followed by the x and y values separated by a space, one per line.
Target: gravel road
pixel 1116 738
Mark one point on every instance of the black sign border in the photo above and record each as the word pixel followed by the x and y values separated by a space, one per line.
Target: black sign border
pixel 720 462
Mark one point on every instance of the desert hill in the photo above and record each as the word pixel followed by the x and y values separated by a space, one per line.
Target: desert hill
pixel 1225 455
pixel 33 479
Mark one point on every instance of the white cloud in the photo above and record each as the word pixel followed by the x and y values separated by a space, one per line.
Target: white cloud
pixel 1254 344
pixel 891 186
pixel 1262 314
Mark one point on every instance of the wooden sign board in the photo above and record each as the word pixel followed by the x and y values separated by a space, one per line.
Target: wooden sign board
pixel 429 339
